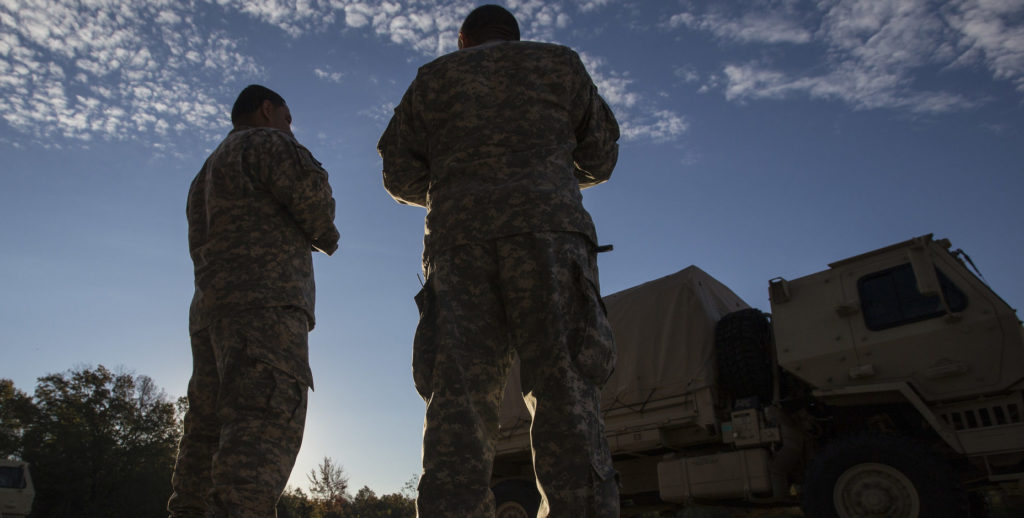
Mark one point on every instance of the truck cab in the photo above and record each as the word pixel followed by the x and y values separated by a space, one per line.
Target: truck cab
pixel 16 490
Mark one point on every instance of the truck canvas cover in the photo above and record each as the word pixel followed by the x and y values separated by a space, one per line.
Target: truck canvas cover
pixel 665 335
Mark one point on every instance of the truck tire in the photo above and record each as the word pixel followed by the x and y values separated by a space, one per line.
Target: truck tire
pixel 875 474
pixel 516 499
pixel 743 350
pixel 979 504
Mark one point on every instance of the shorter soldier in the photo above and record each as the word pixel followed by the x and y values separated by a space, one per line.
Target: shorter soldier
pixel 255 211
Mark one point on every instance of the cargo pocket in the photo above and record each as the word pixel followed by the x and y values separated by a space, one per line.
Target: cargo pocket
pixel 424 344
pixel 594 356
pixel 289 398
pixel 255 387
pixel 605 500
pixel 279 337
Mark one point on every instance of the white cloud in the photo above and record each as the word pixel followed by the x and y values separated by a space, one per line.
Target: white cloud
pixel 591 5
pixel 651 123
pixel 659 126
pixel 687 73
pixel 858 87
pixel 613 87
pixel 987 33
pixel 327 75
pixel 68 67
pixel 871 50
pixel 112 70
pixel 750 27
pixel 358 14
pixel 381 113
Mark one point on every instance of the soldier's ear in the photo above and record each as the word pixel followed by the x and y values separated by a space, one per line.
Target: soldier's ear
pixel 266 111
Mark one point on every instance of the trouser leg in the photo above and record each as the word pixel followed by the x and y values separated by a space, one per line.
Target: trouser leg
pixel 567 351
pixel 463 381
pixel 263 414
pixel 571 457
pixel 191 481
pixel 244 425
pixel 262 409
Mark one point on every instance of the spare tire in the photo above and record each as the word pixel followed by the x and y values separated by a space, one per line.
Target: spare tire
pixel 744 356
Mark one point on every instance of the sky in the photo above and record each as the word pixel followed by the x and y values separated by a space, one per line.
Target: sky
pixel 760 139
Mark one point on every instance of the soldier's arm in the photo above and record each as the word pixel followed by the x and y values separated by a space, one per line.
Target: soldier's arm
pixel 300 183
pixel 597 133
pixel 403 148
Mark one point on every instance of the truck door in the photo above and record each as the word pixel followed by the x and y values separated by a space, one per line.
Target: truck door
pixel 945 343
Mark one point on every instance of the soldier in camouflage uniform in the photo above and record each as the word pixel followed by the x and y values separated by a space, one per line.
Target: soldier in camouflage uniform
pixel 496 140
pixel 256 210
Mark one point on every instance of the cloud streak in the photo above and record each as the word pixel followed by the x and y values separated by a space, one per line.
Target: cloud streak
pixel 872 51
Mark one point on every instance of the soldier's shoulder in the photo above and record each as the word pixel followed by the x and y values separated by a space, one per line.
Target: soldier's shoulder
pixel 529 50
pixel 440 62
pixel 541 46
pixel 262 133
pixel 260 138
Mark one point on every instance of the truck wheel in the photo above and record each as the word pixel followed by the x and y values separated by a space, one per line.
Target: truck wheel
pixel 516 499
pixel 979 503
pixel 874 474
pixel 743 349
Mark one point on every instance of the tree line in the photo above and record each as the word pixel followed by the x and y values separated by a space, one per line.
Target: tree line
pixel 103 444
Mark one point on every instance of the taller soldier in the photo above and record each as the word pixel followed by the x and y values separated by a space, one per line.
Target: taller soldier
pixel 496 140
pixel 258 207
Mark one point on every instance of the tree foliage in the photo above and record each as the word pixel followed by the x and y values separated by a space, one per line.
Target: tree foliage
pixel 99 443
pixel 16 411
pixel 103 444
pixel 329 485
pixel 323 503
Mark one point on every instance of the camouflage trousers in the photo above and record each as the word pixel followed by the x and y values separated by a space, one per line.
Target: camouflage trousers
pixel 532 294
pixel 245 418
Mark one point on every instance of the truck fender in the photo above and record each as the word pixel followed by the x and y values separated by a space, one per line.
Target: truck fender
pixel 893 392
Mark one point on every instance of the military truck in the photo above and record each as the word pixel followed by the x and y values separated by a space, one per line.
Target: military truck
pixel 890 384
pixel 16 490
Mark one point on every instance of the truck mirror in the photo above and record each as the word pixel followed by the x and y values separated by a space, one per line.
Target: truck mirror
pixel 778 290
pixel 924 271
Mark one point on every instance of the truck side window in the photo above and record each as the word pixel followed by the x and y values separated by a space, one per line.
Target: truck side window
pixel 889 298
pixel 11 477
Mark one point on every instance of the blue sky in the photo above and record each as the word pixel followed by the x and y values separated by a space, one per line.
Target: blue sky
pixel 760 139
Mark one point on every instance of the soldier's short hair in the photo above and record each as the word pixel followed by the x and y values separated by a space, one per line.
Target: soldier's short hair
pixel 490 22
pixel 251 99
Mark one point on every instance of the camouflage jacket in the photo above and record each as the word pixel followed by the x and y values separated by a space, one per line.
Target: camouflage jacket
pixel 256 210
pixel 497 140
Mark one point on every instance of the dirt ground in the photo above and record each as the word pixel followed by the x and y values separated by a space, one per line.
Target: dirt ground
pixel 731 512
pixel 1007 502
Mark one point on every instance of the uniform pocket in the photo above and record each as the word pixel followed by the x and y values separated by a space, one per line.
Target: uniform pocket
pixel 595 355
pixel 279 336
pixel 254 387
pixel 424 344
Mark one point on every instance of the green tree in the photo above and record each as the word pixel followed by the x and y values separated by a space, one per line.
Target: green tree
pixel 101 445
pixel 16 411
pixel 295 504
pixel 366 504
pixel 329 487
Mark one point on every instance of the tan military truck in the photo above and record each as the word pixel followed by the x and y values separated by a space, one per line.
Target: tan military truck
pixel 16 491
pixel 890 384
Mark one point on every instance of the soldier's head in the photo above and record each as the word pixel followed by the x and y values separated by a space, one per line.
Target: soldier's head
pixel 262 107
pixel 487 23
